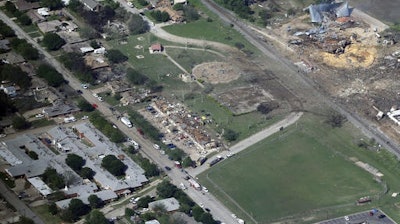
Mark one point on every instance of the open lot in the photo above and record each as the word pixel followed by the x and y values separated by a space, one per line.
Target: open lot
pixel 302 174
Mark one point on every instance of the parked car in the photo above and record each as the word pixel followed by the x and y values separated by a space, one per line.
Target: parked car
pixel 167 168
pixel 156 146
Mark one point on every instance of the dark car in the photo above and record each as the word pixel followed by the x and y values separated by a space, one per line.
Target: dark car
pixel 167 168
pixel 207 209
pixel 171 146
pixel 79 91
pixel 381 216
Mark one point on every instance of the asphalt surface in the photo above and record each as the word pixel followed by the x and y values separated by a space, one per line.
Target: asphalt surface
pixel 361 217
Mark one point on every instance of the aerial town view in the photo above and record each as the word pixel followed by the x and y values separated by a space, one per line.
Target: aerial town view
pixel 199 111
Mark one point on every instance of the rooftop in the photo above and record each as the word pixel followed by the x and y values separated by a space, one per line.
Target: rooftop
pixel 170 204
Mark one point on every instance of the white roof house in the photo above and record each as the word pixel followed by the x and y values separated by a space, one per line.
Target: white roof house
pixel 43 11
pixel 40 186
pixel 154 221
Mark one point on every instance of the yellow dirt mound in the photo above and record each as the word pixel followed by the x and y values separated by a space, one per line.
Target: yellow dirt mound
pixel 355 56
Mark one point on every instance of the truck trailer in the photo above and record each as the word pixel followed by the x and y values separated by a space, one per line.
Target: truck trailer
pixel 126 121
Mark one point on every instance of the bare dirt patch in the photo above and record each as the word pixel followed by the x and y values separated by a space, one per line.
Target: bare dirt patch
pixel 216 72
pixel 354 56
pixel 244 99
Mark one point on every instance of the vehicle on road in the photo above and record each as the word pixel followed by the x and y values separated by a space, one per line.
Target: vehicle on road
pixel 79 91
pixel 216 160
pixel 207 209
pixel 346 218
pixel 167 168
pixel 205 189
pixel 155 146
pixel 126 122
pixel 381 216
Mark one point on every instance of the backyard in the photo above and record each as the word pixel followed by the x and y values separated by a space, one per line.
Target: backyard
pixel 302 174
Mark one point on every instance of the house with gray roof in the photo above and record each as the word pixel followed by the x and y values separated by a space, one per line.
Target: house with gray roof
pixel 92 5
pixel 170 204
pixel 60 109
pixel 105 196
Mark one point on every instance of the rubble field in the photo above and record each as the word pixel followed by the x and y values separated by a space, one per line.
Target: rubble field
pixel 355 59
pixel 216 72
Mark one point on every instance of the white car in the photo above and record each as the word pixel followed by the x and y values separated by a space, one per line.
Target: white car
pixel 39 115
pixel 95 95
pixel 346 218
pixel 156 146
pixel 205 189
pixel 100 99
pixel 85 86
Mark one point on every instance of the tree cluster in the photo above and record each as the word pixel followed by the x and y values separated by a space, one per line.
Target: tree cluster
pixel 96 217
pixel 150 169
pixel 51 75
pixel 240 7
pixel 114 134
pixel 159 16
pixel 190 13
pixel 137 25
pixel 24 49
pixel 22 18
pixel 20 123
pixel 6 105
pixel 76 163
pixel 97 20
pixel 76 209
pixel 75 62
pixel 52 4
pixel 230 135
pixel 53 41
pixel 267 107
pixel 147 128
pixel 335 119
pixel 116 56
pixel 5 30
pixel 113 165
pixel 136 77
pixel 166 190
pixel 15 75
pixel 54 180
pixel 85 106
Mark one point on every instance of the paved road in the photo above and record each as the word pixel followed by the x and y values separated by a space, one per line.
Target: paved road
pixel 361 217
pixel 21 207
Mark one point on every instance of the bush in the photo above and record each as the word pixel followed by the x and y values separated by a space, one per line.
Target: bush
pixel 20 123
pixel 230 135
pixel 159 16
pixel 116 56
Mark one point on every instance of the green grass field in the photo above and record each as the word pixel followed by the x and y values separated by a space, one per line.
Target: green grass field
pixel 302 172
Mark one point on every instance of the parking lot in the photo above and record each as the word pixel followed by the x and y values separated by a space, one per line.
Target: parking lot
pixel 363 217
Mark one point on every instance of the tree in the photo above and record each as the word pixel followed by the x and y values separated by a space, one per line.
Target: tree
pixel 166 190
pixel 75 162
pixel 52 4
pixel 206 218
pixel 53 179
pixel 33 155
pixel 159 16
pixel 230 135
pixel 116 56
pixel 136 77
pixel 144 201
pixel 24 20
pixel 53 41
pixel 85 106
pixel 51 75
pixel 87 173
pixel 78 208
pixel 197 212
pixel 67 215
pixel 52 208
pixel 190 13
pixel 5 30
pixel 96 217
pixel 335 119
pixel 187 162
pixel 113 165
pixel 25 220
pixel 6 105
pixel 137 25
pixel 95 202
pixel 267 107
pixel 20 123
pixel 14 74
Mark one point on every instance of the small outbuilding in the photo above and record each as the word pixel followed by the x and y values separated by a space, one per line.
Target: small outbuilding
pixel 156 48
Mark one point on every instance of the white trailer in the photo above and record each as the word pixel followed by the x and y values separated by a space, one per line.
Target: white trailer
pixel 126 121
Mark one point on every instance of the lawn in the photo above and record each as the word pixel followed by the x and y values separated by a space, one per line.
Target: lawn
pixel 43 212
pixel 300 172
pixel 245 124
pixel 188 58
